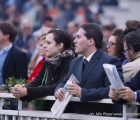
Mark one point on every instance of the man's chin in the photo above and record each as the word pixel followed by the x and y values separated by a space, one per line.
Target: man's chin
pixel 77 52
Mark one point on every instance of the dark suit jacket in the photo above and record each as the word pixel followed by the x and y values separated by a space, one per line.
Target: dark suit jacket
pixel 133 84
pixel 94 81
pixel 54 78
pixel 16 64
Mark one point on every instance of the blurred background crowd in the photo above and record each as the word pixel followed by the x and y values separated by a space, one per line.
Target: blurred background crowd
pixel 61 11
pixel 30 17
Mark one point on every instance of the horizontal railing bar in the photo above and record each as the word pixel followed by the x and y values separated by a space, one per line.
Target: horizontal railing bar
pixel 43 114
pixel 132 119
pixel 75 99
pixel 6 95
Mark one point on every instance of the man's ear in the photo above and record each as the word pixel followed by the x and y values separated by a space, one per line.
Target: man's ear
pixel 60 46
pixel 91 41
pixel 131 49
pixel 7 36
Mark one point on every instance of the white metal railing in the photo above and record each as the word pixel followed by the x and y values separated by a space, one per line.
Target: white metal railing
pixel 38 115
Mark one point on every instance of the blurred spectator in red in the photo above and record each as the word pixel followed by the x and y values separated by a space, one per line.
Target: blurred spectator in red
pixel 42 52
pixel 36 57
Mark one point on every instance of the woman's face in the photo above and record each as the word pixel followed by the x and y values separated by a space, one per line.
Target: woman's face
pixel 51 47
pixel 41 49
pixel 111 46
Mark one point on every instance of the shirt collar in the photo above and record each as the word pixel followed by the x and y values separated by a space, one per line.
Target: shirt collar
pixel 7 48
pixel 89 57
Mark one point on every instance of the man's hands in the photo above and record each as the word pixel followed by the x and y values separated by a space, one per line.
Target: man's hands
pixel 113 94
pixel 19 91
pixel 72 89
pixel 125 92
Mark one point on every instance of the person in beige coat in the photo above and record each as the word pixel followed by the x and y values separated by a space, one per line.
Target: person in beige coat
pixel 132 52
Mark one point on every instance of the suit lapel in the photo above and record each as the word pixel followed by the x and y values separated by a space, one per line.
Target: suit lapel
pixel 8 58
pixel 90 66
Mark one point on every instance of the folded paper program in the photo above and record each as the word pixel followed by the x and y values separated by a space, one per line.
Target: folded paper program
pixel 59 107
pixel 113 76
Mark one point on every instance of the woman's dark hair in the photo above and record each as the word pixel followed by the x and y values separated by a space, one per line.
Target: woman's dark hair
pixel 118 33
pixel 93 31
pixel 7 29
pixel 132 38
pixel 62 36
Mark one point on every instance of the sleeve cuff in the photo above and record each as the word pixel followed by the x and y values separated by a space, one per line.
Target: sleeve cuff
pixel 136 96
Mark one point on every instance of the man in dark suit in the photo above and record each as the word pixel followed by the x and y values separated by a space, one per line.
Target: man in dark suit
pixel 130 91
pixel 94 83
pixel 13 62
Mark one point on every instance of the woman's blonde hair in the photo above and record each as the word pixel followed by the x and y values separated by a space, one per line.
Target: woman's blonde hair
pixel 42 37
pixel 35 57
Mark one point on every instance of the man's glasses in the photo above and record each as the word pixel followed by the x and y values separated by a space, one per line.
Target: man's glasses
pixel 110 44
pixel 124 52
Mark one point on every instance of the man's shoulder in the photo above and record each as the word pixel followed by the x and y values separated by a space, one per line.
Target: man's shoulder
pixel 106 56
pixel 132 66
pixel 16 51
pixel 77 59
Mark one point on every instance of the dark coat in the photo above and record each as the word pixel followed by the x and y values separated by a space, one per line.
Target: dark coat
pixel 16 64
pixel 133 84
pixel 54 78
pixel 94 82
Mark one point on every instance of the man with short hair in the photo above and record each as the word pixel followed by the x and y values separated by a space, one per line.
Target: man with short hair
pixel 49 22
pixel 13 62
pixel 88 69
pixel 132 52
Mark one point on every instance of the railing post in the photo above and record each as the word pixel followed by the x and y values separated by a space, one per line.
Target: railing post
pixel 124 112
pixel 19 108
pixel 19 104
pixel 1 104
pixel 127 112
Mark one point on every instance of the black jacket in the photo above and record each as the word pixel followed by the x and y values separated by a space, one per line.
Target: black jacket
pixel 16 64
pixel 54 78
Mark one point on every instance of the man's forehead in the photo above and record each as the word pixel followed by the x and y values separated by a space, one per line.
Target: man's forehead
pixel 81 31
pixel 125 45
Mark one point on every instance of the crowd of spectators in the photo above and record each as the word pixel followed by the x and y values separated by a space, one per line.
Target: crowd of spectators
pixel 40 32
